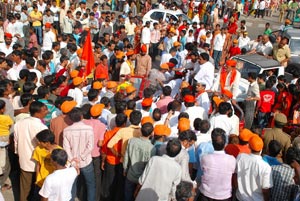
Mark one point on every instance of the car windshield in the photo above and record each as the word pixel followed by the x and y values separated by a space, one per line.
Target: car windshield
pixel 184 17
pixel 295 46
pixel 245 68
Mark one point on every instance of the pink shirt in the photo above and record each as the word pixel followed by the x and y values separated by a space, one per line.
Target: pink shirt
pixel 79 142
pixel 217 168
pixel 32 41
pixel 99 130
pixel 163 103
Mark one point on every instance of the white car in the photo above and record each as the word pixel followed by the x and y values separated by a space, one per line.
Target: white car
pixel 155 14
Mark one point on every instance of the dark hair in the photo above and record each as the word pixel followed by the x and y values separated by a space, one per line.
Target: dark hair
pixel 25 98
pixel 197 122
pixel 120 119
pixel 3 86
pixel 224 107
pixel 35 107
pixel 92 94
pixel 2 104
pixel 252 75
pixel 218 139
pixel 59 156
pixel 23 73
pixel 105 100
pixel 175 105
pixel 31 77
pixel 148 93
pixel 131 104
pixel 183 115
pixel 49 79
pixel 173 147
pixel 43 91
pixel 292 154
pixel 204 126
pixel 30 61
pixel 262 76
pixel 166 90
pixel 28 86
pixel 135 117
pixel 204 56
pixel 42 63
pixel 156 114
pixel 187 135
pixel 46 136
pixel 86 111
pixel 274 148
pixel 184 191
pixel 278 124
pixel 120 107
pixel 147 129
pixel 269 84
pixel 75 114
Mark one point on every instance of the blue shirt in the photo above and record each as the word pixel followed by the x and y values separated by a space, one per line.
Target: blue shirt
pixel 271 160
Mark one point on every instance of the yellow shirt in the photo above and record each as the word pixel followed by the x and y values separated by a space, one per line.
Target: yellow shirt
pixel 36 15
pixel 43 157
pixel 5 123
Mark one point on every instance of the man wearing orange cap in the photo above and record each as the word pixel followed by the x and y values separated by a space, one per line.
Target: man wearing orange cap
pixel 228 78
pixel 6 47
pixel 77 93
pixel 146 35
pixel 49 37
pixel 160 134
pixel 249 168
pixel 157 77
pixel 167 56
pixel 146 107
pixel 143 63
pixel 128 66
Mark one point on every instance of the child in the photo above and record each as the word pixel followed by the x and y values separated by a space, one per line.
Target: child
pixel 41 155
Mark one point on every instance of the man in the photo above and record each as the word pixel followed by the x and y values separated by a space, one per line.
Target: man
pixel 54 187
pixel 138 153
pixel 143 63
pixel 127 133
pixel 49 37
pixel 129 29
pixel 222 120
pixel 216 179
pixel 218 44
pixel 249 168
pixel 202 98
pixel 163 102
pixel 146 35
pixel 58 124
pixel 282 52
pixel 154 41
pixel 36 18
pixel 25 143
pixel 43 94
pixel 276 133
pixel 253 96
pixel 157 77
pixel 264 48
pixel 161 175
pixel 206 72
pixel 78 141
pixel 228 78
pixel 68 22
pixel 6 47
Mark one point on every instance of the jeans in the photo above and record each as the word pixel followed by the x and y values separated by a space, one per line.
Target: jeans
pixel 39 34
pixel 130 38
pixel 263 119
pixel 89 178
pixel 129 190
pixel 216 56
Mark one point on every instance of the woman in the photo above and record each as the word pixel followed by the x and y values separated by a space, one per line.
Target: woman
pixel 284 100
pixel 191 9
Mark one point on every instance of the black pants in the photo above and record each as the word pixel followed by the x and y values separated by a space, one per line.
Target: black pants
pixel 153 50
pixel 112 183
pixel 98 176
pixel 202 197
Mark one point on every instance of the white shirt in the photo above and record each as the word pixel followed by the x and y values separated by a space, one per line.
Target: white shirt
pixel 196 112
pixel 18 26
pixel 20 66
pixel 206 75
pixel 203 101
pixel 222 121
pixel 175 86
pixel 57 189
pixel 125 69
pixel 253 175
pixel 262 5
pixel 77 95
pixel 55 11
pixel 265 49
pixel 165 58
pixel 68 25
pixel 202 137
pixel 5 50
pixel 243 42
pixel 12 74
pixel 49 38
pixel 146 36
pixel 219 42
pixel 25 141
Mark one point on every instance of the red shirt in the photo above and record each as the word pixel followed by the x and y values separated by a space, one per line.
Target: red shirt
pixel 234 51
pixel 267 99
pixel 110 157
pixel 101 69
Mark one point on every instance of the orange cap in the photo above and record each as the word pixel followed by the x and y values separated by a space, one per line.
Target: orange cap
pixel 77 81
pixel 130 89
pixel 189 99
pixel 96 109
pixel 161 130
pixel 74 73
pixel 120 55
pixel 235 41
pixel 48 25
pixel 172 30
pixel 176 44
pixel 147 119
pixel 8 35
pixel 245 135
pixel 256 143
pixel 287 21
pixel 144 48
pixel 203 37
pixel 127 112
pixel 232 149
pixel 227 93
pixel 79 51
pixel 164 66
pixel 130 52
pixel 231 63
pixel 97 85
pixel 147 102
pixel 111 84
pixel 67 106
pixel 217 100
pixel 183 124
pixel 184 84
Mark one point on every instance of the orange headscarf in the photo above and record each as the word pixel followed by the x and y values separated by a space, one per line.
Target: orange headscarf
pixel 223 77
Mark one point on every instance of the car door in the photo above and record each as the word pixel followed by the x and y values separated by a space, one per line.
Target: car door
pixel 156 15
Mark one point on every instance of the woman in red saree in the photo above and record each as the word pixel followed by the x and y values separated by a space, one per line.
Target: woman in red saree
pixel 284 100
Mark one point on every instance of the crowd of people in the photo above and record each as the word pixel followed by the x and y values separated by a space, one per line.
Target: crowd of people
pixel 85 112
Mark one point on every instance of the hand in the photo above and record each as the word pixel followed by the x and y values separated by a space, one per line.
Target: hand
pixel 102 165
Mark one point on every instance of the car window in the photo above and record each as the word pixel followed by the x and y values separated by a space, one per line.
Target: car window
pixel 184 17
pixel 170 16
pixel 157 15
pixel 295 46
pixel 245 68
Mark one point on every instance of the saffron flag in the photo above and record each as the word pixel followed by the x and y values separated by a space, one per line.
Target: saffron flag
pixel 87 55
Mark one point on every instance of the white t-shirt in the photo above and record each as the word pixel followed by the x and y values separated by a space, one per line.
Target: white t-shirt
pixel 49 38
pixel 58 185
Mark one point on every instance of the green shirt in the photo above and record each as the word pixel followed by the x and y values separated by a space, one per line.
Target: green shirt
pixel 268 31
